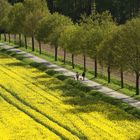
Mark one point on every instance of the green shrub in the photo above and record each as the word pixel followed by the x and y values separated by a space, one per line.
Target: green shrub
pixel 78 84
pixel 61 77
pixel 51 72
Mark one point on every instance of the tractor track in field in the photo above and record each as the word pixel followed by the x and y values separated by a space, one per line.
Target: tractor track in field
pixel 10 92
pixel 36 109
pixel 27 113
pixel 20 101
pixel 26 103
pixel 23 77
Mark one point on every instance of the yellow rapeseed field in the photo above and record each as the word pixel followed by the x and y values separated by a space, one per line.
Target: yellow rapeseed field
pixel 37 106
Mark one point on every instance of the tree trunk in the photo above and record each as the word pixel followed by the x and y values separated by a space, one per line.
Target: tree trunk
pixel 95 67
pixel 56 50
pixel 20 40
pixel 108 71
pixel 40 47
pixel 122 80
pixel 137 83
pixel 51 5
pixel 9 37
pixel 5 39
pixel 33 44
pixel 84 63
pixel 25 39
pixel 15 38
pixel 89 7
pixel 64 56
pixel 73 66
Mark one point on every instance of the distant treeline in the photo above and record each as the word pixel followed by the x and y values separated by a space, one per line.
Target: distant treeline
pixel 121 10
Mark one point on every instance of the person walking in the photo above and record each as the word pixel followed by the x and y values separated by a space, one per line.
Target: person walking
pixel 77 76
pixel 83 75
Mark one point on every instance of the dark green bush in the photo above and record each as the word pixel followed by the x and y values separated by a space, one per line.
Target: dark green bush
pixel 61 77
pixel 51 72
pixel 78 84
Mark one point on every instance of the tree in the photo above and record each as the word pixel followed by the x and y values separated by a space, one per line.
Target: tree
pixel 4 11
pixel 59 24
pixel 119 51
pixel 95 38
pixel 129 41
pixel 83 42
pixel 106 52
pixel 98 26
pixel 41 31
pixel 68 39
pixel 51 28
pixel 104 27
pixel 16 18
pixel 35 10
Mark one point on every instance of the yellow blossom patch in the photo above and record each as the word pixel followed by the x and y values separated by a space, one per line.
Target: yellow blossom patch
pixel 33 105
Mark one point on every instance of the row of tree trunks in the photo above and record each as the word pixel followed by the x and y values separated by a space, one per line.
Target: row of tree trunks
pixel 5 38
pixel 121 76
pixel 84 63
pixel 95 67
pixel 20 40
pixel 73 66
pixel 108 72
pixel 122 79
pixel 56 52
pixel 64 56
pixel 15 38
pixel 9 37
pixel 33 44
pixel 40 50
pixel 25 41
pixel 137 83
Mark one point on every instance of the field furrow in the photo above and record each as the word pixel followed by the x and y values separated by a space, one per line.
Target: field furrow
pixel 56 109
pixel 15 123
pixel 39 118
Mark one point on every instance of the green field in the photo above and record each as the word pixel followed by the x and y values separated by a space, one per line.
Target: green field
pixel 35 105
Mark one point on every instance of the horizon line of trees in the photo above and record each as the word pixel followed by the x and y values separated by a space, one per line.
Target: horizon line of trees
pixel 121 10
pixel 96 36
